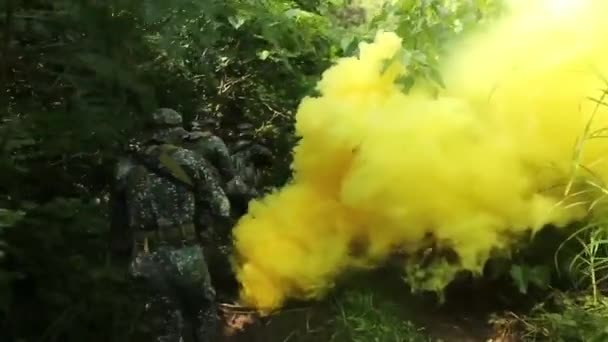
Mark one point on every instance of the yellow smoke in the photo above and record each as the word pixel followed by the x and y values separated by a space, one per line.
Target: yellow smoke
pixel 377 171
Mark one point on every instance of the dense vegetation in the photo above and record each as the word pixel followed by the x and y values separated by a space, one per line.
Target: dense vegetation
pixel 79 78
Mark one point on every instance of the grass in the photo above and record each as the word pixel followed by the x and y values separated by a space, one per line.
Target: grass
pixel 566 317
pixel 580 315
pixel 363 317
pixel 588 267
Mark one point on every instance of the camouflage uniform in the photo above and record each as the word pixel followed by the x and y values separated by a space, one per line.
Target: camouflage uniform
pixel 249 159
pixel 203 141
pixel 213 148
pixel 164 196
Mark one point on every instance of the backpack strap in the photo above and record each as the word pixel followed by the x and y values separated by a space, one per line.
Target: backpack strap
pixel 162 165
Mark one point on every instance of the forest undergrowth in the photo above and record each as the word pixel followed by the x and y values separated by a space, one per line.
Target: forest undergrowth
pixel 78 81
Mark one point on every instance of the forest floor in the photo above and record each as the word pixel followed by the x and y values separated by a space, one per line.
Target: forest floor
pixel 465 316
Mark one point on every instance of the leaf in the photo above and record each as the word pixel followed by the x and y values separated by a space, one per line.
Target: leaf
pixel 9 218
pixel 406 57
pixel 519 277
pixel 13 144
pixel 498 267
pixel 435 76
pixel 398 56
pixel 418 57
pixel 524 275
pixel 540 276
pixel 263 55
pixel 346 42
pixel 236 22
pixel 297 13
pixel 407 82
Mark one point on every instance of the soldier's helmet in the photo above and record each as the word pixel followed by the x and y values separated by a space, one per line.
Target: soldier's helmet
pixel 244 137
pixel 195 126
pixel 166 126
pixel 248 140
pixel 241 145
pixel 166 117
pixel 245 131
pixel 206 124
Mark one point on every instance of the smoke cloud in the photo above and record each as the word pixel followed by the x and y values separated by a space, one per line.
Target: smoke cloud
pixel 379 172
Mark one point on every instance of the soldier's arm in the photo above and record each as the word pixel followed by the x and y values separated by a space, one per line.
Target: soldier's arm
pixel 221 157
pixel 212 205
pixel 209 185
pixel 246 163
pixel 259 151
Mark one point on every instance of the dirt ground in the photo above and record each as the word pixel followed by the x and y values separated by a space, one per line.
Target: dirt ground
pixel 309 325
pixel 463 318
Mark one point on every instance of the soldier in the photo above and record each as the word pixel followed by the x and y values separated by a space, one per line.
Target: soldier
pixel 203 140
pixel 249 159
pixel 212 147
pixel 163 198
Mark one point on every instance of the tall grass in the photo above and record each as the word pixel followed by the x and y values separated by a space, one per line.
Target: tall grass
pixel 580 315
pixel 589 266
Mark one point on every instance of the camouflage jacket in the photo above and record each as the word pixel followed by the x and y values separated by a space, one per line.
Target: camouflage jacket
pixel 214 150
pixel 249 162
pixel 237 187
pixel 164 187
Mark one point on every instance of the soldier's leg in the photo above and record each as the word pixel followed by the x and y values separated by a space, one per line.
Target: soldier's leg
pixel 164 319
pixel 215 223
pixel 163 316
pixel 197 292
pixel 217 252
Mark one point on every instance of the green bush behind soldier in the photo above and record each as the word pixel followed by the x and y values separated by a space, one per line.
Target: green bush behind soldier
pixel 164 199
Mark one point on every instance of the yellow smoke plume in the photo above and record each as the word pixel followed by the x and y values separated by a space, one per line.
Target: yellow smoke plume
pixel 379 171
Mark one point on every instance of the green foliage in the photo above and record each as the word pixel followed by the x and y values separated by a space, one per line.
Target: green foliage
pixel 79 80
pixel 62 287
pixel 568 318
pixel 426 27
pixel 245 61
pixel 8 218
pixel 362 317
pixel 524 275
pixel 587 267
pixel 528 268
pixel 432 276
pixel 587 248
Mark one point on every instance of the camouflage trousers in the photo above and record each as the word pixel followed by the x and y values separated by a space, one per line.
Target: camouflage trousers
pixel 181 301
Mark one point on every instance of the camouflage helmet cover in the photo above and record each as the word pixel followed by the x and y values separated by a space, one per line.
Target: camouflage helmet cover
pixel 166 117
pixel 205 124
pixel 241 145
